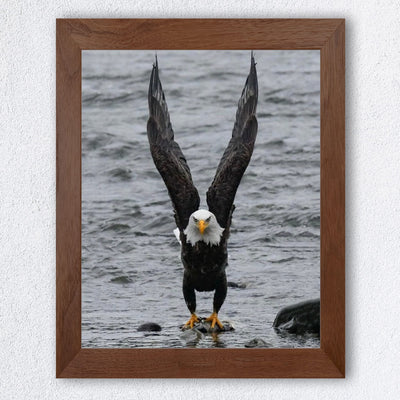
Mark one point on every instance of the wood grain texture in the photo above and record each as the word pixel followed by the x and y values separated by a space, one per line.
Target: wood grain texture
pixel 202 363
pixel 229 34
pixel 74 35
pixel 68 198
pixel 333 198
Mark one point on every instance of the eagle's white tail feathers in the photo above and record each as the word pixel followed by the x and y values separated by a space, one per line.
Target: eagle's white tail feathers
pixel 177 234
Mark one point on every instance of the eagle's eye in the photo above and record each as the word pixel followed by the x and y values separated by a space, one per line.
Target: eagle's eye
pixel 195 220
pixel 208 219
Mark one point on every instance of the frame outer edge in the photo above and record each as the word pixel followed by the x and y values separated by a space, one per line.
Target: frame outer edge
pixel 71 360
pixel 333 197
pixel 68 197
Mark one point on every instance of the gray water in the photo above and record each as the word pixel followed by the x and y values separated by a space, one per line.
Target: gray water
pixel 131 269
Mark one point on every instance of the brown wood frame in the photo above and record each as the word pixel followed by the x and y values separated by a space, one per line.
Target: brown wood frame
pixel 326 35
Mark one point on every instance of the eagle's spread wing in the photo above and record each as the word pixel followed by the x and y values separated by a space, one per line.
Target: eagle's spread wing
pixel 168 156
pixel 221 194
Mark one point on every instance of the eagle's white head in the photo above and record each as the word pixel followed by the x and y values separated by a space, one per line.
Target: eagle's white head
pixel 203 226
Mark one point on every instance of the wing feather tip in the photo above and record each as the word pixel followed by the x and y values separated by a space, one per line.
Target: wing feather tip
pixel 155 83
pixel 252 78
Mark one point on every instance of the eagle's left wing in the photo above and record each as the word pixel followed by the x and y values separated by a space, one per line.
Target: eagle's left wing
pixel 221 194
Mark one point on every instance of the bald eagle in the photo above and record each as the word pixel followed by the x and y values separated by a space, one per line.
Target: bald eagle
pixel 203 233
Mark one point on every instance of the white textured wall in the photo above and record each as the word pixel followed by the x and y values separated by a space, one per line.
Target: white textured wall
pixel 27 201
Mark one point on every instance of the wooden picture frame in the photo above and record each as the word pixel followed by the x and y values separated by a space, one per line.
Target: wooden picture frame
pixel 326 35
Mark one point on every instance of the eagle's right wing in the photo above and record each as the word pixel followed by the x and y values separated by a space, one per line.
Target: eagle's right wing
pixel 167 155
pixel 221 194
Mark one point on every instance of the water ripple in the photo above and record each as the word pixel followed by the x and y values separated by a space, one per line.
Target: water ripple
pixel 131 267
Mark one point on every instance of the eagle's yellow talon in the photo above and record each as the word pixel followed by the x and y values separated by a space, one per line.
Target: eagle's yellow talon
pixel 213 318
pixel 191 321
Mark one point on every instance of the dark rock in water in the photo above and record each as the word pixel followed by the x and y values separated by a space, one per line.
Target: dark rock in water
pixel 256 343
pixel 149 327
pixel 205 327
pixel 191 337
pixel 299 318
pixel 237 285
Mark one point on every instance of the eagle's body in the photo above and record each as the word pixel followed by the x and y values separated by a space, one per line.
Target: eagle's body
pixel 203 233
pixel 204 266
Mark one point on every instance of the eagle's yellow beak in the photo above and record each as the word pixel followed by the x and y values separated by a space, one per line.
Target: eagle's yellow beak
pixel 202 225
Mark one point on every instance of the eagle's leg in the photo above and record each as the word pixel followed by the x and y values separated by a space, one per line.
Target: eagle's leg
pixel 192 320
pixel 190 299
pixel 221 288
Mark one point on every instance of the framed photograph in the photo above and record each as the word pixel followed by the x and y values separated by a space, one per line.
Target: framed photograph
pixel 200 198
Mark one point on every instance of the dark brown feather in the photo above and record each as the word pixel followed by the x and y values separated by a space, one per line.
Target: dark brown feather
pixel 221 194
pixel 168 156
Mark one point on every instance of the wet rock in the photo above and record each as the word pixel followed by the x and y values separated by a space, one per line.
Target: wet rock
pixel 205 327
pixel 299 318
pixel 149 327
pixel 191 337
pixel 256 343
pixel 236 285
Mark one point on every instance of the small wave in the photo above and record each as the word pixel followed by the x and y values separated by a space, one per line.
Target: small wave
pixel 293 115
pixel 307 234
pixel 299 220
pixel 174 93
pixel 151 174
pixel 158 222
pixel 89 98
pixel 287 115
pixel 275 143
pixel 116 227
pixel 315 221
pixel 275 91
pixel 265 239
pixel 237 285
pixel 93 142
pixel 100 99
pixel 124 174
pixel 285 260
pixel 141 234
pixel 218 75
pixel 118 152
pixel 117 99
pixel 106 77
pixel 285 72
pixel 133 213
pixel 264 115
pixel 298 150
pixel 283 234
pixel 265 206
pixel 121 279
pixel 304 94
pixel 163 202
pixel 282 100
